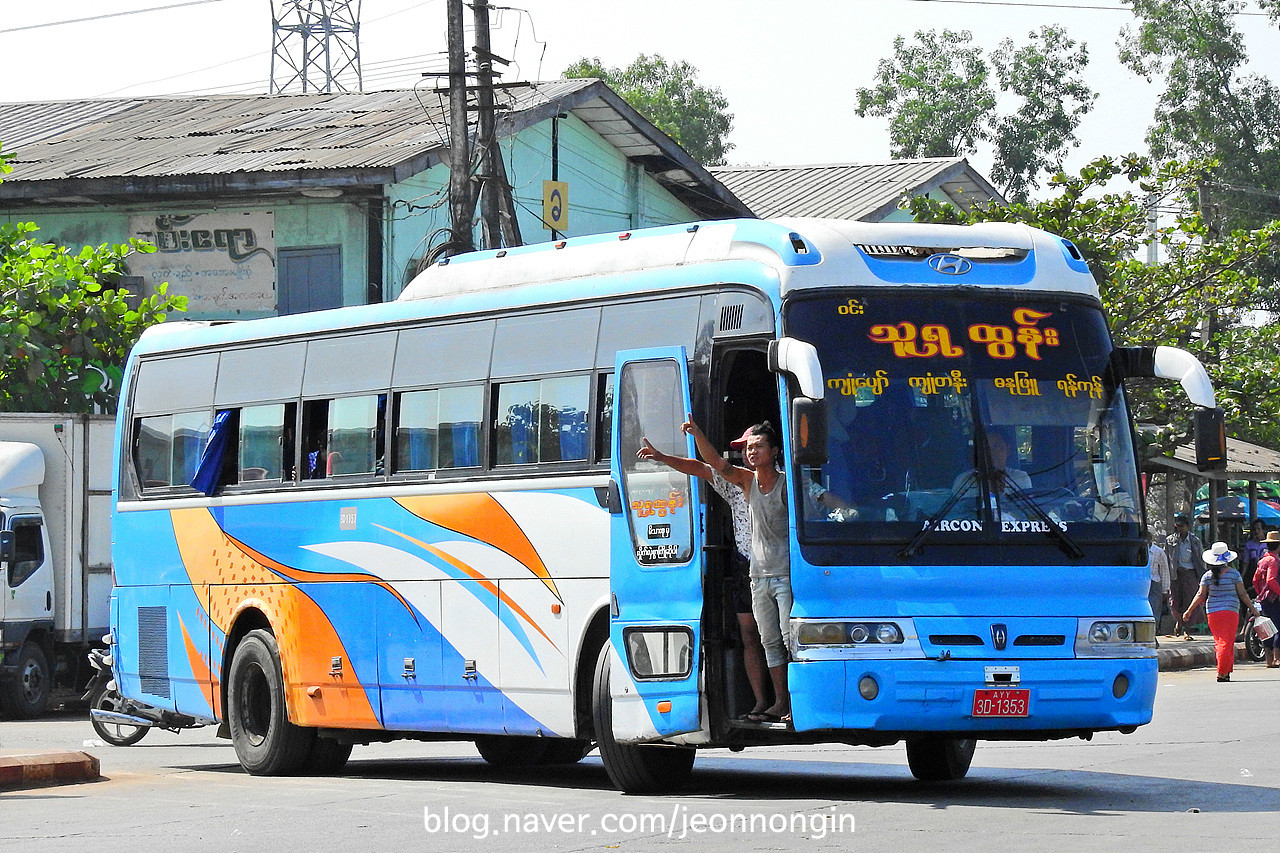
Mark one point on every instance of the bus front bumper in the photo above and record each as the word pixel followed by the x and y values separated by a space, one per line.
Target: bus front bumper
pixel 1069 695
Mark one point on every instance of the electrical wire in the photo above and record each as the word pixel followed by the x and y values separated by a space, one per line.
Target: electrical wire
pixel 108 15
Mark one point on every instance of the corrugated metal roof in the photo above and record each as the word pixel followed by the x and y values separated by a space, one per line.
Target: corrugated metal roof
pixel 1245 461
pixel 859 191
pixel 112 148
pixel 222 134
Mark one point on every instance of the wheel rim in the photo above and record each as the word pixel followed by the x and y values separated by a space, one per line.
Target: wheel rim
pixel 120 731
pixel 32 681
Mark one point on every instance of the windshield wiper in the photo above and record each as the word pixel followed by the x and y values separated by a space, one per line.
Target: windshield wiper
pixel 1029 505
pixel 916 541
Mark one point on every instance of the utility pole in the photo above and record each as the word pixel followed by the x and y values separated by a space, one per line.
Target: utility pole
pixel 460 198
pixel 497 208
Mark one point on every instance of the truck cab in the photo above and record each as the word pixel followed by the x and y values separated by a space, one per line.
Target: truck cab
pixel 26 582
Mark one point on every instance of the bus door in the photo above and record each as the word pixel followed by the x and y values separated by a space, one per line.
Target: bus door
pixel 655 572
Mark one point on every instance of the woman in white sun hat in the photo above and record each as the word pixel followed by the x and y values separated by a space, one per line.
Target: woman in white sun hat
pixel 1222 590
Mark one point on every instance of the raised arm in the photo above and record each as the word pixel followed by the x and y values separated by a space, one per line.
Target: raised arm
pixel 740 477
pixel 691 467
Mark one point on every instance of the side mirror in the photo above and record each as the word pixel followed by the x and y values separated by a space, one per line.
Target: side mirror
pixel 1211 439
pixel 809 432
pixel 800 359
pixel 7 548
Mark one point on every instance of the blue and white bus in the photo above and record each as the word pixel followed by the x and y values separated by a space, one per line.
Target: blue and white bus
pixel 427 518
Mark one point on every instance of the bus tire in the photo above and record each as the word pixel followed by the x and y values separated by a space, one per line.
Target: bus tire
pixel 327 757
pixel 634 768
pixel 940 759
pixel 266 743
pixel 26 694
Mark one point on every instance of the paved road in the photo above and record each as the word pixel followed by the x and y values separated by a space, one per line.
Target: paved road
pixel 1205 775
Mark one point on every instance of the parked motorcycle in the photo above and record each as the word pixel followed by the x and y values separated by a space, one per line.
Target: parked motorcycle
pixel 120 721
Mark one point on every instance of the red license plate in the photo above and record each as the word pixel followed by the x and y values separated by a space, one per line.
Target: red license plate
pixel 1001 703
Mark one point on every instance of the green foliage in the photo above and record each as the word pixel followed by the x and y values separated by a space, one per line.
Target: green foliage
pixel 1210 108
pixel 65 329
pixel 940 96
pixel 1200 296
pixel 668 94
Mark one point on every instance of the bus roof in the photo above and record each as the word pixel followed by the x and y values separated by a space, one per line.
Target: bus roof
pixel 779 257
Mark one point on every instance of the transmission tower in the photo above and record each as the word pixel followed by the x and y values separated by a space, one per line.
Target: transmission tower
pixel 315 46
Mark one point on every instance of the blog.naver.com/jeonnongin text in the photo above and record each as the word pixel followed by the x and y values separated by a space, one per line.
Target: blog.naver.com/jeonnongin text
pixel 677 823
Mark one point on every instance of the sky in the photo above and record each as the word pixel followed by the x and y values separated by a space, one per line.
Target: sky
pixel 790 69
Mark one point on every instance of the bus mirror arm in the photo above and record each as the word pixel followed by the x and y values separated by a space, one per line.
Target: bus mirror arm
pixel 800 359
pixel 1165 363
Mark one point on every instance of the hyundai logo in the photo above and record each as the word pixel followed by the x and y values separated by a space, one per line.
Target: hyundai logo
pixel 950 264
pixel 999 636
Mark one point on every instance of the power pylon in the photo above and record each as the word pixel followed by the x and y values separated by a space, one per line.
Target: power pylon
pixel 315 46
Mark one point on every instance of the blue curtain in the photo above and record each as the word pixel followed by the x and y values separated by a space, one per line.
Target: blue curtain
pixel 573 434
pixel 209 471
pixel 466 449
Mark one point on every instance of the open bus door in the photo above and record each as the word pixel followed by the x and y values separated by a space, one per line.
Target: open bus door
pixel 656 561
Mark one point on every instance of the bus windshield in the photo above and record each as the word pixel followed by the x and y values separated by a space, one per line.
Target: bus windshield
pixel 966 418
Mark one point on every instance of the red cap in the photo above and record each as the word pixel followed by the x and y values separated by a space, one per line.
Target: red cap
pixel 739 443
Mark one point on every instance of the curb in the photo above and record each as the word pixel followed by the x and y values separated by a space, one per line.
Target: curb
pixel 47 768
pixel 1192 655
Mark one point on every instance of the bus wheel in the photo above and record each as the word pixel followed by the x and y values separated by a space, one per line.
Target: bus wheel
pixel 940 759
pixel 634 768
pixel 27 693
pixel 327 756
pixel 266 743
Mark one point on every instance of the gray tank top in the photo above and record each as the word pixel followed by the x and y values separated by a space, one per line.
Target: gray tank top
pixel 770 549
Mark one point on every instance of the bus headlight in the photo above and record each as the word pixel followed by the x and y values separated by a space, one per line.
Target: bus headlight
pixel 811 634
pixel 1115 638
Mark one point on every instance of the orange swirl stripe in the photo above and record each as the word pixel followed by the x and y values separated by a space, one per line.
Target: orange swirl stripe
pixel 234 580
pixel 482 518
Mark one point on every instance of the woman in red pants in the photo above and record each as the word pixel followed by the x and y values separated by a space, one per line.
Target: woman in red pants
pixel 1222 591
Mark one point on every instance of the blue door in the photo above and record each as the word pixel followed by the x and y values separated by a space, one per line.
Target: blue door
pixel 656 560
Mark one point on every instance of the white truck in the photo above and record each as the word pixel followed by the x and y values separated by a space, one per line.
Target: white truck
pixel 55 554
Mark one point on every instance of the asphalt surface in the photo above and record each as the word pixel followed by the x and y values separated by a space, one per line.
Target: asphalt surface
pixel 20 771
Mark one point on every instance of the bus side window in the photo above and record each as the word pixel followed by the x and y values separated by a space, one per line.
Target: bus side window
pixel 315 434
pixel 604 418
pixel 263 448
pixel 542 420
pixel 438 428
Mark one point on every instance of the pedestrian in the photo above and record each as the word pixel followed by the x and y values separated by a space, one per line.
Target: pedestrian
pixel 1254 549
pixel 1266 585
pixel 765 486
pixel 753 659
pixel 1184 557
pixel 1221 590
pixel 1161 580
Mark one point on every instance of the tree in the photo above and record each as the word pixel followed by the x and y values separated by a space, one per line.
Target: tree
pixel 696 117
pixel 1210 108
pixel 65 327
pixel 1200 298
pixel 940 95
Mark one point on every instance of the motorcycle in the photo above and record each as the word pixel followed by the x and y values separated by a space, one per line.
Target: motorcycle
pixel 120 721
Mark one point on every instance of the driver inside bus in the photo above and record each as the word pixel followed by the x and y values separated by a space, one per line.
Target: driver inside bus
pixel 999 448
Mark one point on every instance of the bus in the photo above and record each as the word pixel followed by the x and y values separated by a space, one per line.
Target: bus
pixel 427 518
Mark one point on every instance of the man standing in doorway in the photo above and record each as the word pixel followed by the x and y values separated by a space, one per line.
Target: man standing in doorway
pixel 1185 549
